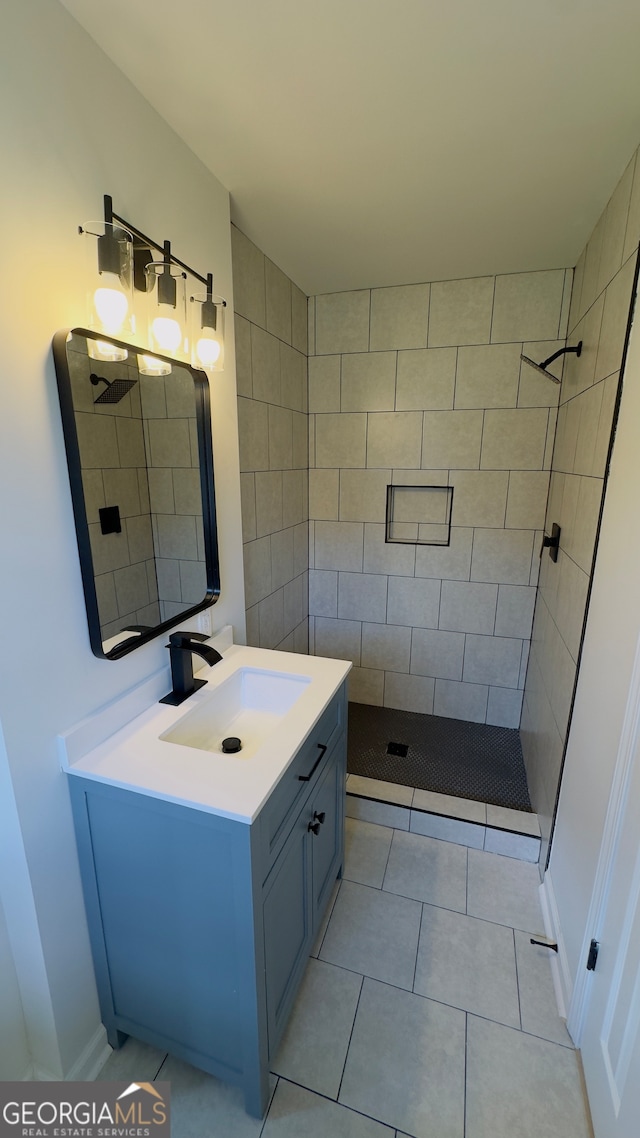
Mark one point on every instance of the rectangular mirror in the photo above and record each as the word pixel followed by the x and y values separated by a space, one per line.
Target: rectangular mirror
pixel 141 469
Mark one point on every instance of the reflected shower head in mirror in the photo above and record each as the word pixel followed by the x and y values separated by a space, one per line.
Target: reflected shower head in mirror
pixel 542 367
pixel 114 391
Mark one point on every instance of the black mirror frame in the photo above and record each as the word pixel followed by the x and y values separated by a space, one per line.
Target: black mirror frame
pixel 203 417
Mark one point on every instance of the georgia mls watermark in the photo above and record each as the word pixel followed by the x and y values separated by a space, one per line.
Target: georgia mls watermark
pixel 84 1110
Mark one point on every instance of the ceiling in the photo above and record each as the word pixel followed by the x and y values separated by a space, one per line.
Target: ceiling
pixel 379 142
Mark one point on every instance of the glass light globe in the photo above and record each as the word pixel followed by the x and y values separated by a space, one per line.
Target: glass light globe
pixel 150 365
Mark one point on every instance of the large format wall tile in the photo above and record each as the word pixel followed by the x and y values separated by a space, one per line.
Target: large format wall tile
pixel 341 322
pixel 423 385
pixel 598 316
pixel 460 312
pixel 271 370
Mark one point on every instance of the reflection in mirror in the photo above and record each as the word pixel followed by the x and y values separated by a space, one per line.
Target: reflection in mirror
pixel 139 454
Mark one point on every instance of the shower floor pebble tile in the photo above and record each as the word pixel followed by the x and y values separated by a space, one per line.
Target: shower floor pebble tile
pixel 415 1021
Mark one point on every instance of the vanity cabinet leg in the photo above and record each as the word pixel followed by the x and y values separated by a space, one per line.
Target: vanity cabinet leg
pixel 115 1038
pixel 256 1095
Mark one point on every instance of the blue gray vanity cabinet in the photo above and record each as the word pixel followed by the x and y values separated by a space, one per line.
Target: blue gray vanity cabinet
pixel 200 925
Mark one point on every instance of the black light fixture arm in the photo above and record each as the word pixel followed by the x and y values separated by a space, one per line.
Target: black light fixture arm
pixel 562 352
pixel 148 242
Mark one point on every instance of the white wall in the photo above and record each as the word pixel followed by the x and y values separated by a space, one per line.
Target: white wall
pixel 608 654
pixel 72 128
pixel 15 1060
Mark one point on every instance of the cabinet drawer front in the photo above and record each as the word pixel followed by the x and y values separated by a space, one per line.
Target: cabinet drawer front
pixel 299 779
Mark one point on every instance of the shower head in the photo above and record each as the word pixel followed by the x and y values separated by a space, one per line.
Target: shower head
pixel 542 367
pixel 114 391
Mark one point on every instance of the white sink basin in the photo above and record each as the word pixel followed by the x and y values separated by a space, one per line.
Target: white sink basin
pixel 248 705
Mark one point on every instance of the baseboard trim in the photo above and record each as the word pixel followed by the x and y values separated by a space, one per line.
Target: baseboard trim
pixel 92 1059
pixel 560 970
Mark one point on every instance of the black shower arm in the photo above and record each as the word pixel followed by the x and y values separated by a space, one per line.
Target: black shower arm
pixel 562 352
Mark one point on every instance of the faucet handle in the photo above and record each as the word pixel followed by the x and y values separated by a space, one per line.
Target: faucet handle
pixel 182 639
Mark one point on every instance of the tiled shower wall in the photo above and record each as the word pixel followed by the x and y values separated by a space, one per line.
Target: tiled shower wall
pixel 271 368
pixel 175 496
pixel 423 385
pixel 114 473
pixel 600 301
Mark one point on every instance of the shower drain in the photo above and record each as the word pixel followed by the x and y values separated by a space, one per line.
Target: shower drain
pixel 399 749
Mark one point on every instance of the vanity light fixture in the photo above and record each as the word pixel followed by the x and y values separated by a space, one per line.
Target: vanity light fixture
pixel 207 329
pixel 110 301
pixel 130 285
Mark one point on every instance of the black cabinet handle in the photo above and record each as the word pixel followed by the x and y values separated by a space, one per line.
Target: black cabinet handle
pixel 308 777
pixel 314 828
pixel 319 817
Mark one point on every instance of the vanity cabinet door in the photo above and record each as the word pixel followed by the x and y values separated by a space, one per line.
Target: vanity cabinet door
pixel 327 813
pixel 287 926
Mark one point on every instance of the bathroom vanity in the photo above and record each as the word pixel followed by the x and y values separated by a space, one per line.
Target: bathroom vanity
pixel 206 875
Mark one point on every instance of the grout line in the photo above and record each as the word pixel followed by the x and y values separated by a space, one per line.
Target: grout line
pixel 271 1098
pixel 415 967
pixel 493 305
pixel 466 1067
pixel 515 957
pixel 160 1067
pixel 353 1024
pixel 466 891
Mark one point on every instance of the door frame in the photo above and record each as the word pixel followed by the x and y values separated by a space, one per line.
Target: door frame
pixel 618 798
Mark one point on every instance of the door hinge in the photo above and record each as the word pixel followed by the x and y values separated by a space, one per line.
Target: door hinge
pixel 592 958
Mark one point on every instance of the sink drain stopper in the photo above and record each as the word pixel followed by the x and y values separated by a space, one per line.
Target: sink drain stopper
pixel 231 745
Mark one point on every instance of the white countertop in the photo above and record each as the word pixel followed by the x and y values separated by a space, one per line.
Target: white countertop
pixel 135 758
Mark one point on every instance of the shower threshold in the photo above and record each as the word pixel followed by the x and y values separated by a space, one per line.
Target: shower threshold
pixel 444 778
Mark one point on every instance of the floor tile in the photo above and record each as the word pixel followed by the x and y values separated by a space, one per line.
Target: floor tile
pixel 366 852
pixel 504 890
pixel 383 791
pixel 469 964
pixel 427 869
pixel 406 1063
pixel 296 1112
pixel 519 1085
pixel 448 804
pixel 325 920
pixel 538 1007
pixel 380 813
pixel 447 829
pixel 203 1106
pixel 518 820
pixel 519 846
pixel 314 1046
pixel 373 933
pixel 134 1060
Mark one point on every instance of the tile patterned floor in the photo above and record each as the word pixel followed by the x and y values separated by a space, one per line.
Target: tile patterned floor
pixel 424 1012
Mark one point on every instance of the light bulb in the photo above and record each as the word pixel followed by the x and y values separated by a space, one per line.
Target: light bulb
pixel 149 365
pixel 167 333
pixel 208 351
pixel 103 350
pixel 111 303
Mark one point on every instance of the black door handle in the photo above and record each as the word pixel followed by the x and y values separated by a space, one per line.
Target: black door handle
pixel 319 817
pixel 308 777
pixel 314 828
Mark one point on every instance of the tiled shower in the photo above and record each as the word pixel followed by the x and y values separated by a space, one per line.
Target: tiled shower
pixel 423 385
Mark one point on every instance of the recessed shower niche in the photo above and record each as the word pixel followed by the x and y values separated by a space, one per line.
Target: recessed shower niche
pixel 141 470
pixel 419 515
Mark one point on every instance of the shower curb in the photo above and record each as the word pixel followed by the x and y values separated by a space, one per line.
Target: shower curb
pixel 495 838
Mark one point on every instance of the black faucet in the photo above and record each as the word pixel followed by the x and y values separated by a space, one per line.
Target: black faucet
pixel 181 646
